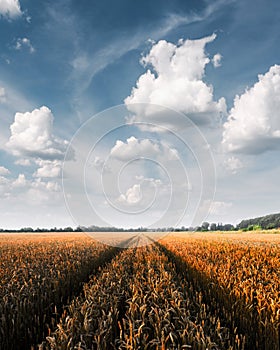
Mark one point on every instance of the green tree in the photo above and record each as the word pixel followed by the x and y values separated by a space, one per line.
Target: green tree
pixel 205 226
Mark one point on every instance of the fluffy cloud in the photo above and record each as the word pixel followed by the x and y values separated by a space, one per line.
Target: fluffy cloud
pixel 20 181
pixel 216 60
pixel 36 192
pixel 136 148
pixel 4 171
pixel 176 82
pixel 10 8
pixel 24 190
pixel 253 124
pixel 24 43
pixel 45 186
pixel 133 195
pixel 144 190
pixel 32 136
pixel 48 168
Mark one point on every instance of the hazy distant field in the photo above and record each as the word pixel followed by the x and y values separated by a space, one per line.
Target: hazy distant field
pixel 189 290
pixel 269 236
pixel 141 238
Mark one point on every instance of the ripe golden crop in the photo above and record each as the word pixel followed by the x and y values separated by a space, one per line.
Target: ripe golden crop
pixel 38 274
pixel 193 291
pixel 139 301
pixel 243 275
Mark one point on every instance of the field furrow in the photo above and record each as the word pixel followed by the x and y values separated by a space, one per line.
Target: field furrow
pixel 139 301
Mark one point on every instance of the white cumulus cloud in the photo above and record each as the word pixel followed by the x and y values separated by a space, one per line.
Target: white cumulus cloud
pixel 32 136
pixel 46 186
pixel 133 195
pixel 135 148
pixel 48 168
pixel 175 80
pixel 20 181
pixel 10 8
pixel 144 190
pixel 4 171
pixel 20 189
pixel 253 125
pixel 216 60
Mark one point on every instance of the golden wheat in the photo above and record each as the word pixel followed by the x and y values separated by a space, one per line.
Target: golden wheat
pixel 244 277
pixel 37 275
pixel 197 292
pixel 138 301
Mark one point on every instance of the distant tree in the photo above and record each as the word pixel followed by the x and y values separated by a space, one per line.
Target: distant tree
pixel 271 225
pixel 228 227
pixel 26 229
pixel 213 227
pixel 205 226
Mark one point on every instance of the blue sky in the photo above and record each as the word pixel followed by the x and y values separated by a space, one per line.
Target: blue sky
pixel 63 62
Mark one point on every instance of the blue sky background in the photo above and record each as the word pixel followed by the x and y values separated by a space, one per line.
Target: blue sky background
pixel 80 58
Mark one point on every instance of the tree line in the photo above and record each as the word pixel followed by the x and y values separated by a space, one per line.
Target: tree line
pixel 266 222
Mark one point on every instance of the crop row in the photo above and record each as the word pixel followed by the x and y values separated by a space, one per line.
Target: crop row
pixel 37 276
pixel 139 301
pixel 243 278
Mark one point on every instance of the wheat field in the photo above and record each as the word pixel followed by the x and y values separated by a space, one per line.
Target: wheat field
pixel 185 291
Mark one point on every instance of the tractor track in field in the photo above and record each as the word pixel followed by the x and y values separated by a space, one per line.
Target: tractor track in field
pixel 140 301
